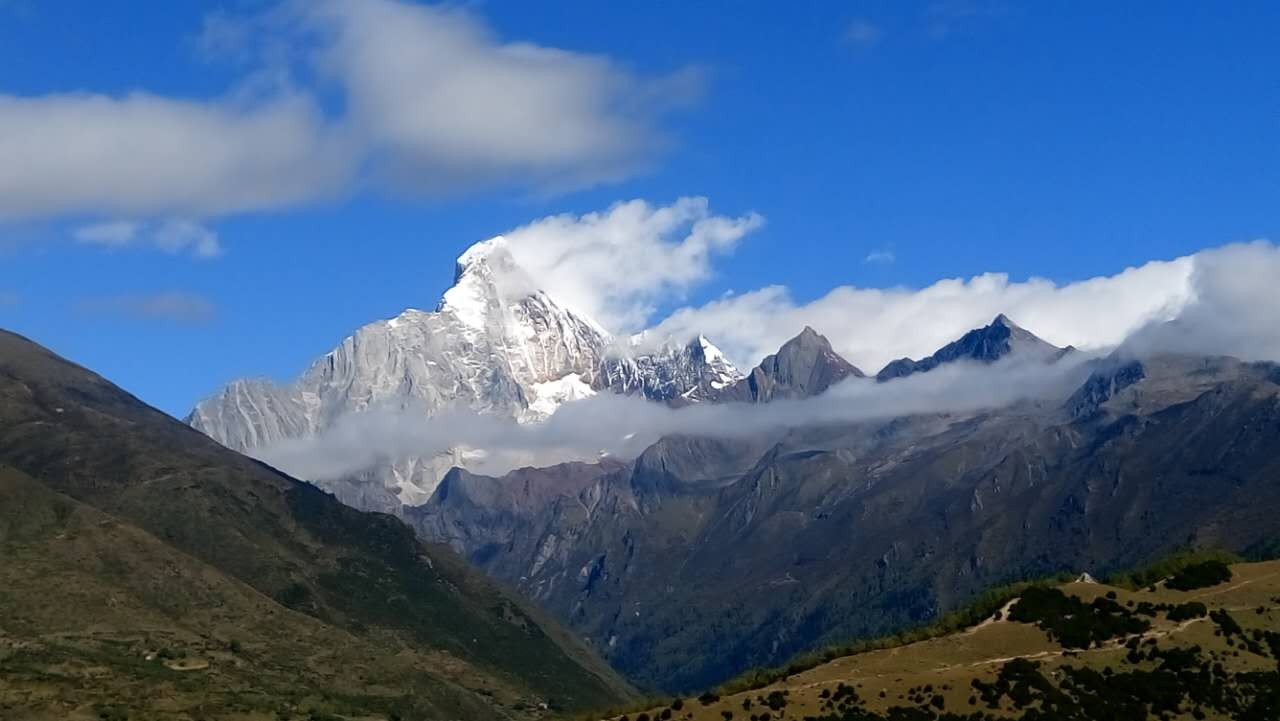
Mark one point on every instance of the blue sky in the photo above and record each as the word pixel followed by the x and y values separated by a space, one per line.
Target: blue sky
pixel 1059 140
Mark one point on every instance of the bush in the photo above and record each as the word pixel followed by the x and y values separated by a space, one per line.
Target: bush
pixel 1169 566
pixel 1188 611
pixel 1200 575
pixel 1072 622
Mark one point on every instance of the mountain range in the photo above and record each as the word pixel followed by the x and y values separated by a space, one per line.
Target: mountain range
pixel 705 557
pixel 708 554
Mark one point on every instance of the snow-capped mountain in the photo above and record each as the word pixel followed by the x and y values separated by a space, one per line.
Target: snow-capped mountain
pixel 495 344
pixel 674 374
pixel 487 347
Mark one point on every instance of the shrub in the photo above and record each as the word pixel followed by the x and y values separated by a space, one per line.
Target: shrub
pixel 1072 622
pixel 1188 611
pixel 1200 575
pixel 1169 566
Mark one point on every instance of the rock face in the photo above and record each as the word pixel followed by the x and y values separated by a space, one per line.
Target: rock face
pixel 803 367
pixel 495 344
pixel 705 557
pixel 673 374
pixel 487 347
pixel 1001 338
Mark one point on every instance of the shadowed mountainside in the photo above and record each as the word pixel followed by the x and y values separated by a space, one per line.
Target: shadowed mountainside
pixel 706 557
pixel 126 533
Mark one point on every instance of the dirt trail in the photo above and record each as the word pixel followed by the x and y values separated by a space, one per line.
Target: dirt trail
pixel 1000 615
pixel 1219 591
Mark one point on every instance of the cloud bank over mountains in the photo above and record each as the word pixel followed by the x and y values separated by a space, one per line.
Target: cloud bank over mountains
pixel 872 326
pixel 616 263
pixel 623 426
pixel 340 94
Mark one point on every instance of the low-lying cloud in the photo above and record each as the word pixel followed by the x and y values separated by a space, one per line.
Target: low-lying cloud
pixel 872 326
pixel 1234 307
pixel 622 426
pixel 1217 302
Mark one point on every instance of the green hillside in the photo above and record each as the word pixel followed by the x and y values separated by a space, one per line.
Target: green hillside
pixel 149 573
pixel 1080 651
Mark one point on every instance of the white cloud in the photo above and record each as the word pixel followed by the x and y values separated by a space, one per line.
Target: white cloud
pixel 1233 308
pixel 616 265
pixel 872 326
pixel 176 236
pixel 142 155
pixel 880 256
pixel 1219 301
pixel 623 426
pixel 110 234
pixel 427 97
pixel 171 236
pixel 442 101
pixel 173 307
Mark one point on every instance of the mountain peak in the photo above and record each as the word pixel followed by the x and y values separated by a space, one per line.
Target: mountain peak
pixel 804 366
pixel 987 344
pixel 673 372
pixel 495 344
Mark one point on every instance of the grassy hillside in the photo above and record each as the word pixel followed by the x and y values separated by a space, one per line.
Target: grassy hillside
pixel 1076 651
pixel 126 535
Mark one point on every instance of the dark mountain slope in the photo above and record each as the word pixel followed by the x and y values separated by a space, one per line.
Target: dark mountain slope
pixel 838 532
pixel 1000 338
pixel 100 616
pixel 804 366
pixel 355 573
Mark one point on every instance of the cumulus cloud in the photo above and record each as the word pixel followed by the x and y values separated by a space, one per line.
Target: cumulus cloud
pixel 1232 310
pixel 172 236
pixel 172 307
pixel 442 101
pixel 142 155
pixel 341 91
pixel 872 326
pixel 623 426
pixel 617 264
